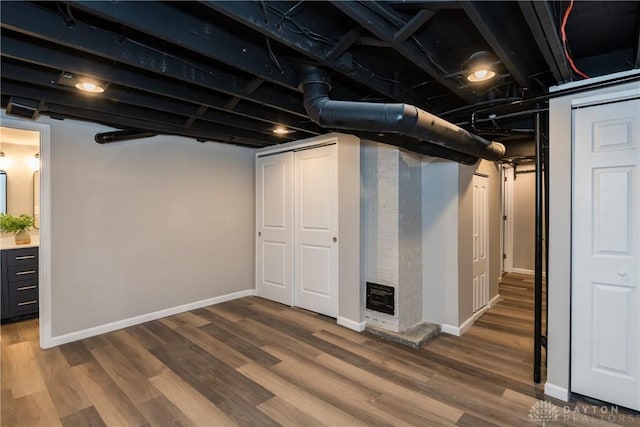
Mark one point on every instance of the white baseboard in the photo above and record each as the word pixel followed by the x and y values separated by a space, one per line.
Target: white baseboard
pixel 119 324
pixel 559 393
pixel 464 326
pixel 347 323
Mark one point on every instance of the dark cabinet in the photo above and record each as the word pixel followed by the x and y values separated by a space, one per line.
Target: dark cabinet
pixel 19 282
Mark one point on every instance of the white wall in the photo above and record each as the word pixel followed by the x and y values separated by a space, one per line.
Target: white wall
pixel 146 225
pixel 524 187
pixel 440 242
pixel 559 272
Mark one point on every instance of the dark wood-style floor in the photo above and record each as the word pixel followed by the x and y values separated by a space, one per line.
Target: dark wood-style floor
pixel 252 362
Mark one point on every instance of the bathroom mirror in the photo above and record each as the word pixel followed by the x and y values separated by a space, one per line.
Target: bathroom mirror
pixel 3 192
pixel 36 198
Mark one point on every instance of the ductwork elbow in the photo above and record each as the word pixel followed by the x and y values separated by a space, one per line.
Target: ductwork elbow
pixel 402 119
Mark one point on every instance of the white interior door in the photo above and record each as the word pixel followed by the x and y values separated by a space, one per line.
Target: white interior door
pixel 316 234
pixel 274 227
pixel 507 219
pixel 605 344
pixel 480 244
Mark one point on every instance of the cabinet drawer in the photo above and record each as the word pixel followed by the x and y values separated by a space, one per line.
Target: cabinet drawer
pixel 24 303
pixel 23 287
pixel 22 272
pixel 24 256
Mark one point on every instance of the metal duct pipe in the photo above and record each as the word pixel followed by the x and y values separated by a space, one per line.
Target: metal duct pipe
pixel 122 135
pixel 448 139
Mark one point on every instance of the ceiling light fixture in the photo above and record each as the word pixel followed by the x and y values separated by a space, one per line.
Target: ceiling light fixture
pixel 480 67
pixel 91 86
pixel 281 130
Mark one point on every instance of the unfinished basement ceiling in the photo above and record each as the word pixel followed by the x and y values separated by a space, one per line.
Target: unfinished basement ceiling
pixel 228 71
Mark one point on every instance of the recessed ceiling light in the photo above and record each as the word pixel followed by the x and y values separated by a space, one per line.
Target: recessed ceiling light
pixel 281 130
pixel 91 86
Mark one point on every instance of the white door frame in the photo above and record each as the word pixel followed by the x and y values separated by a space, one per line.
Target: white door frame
pixel 44 256
pixel 507 223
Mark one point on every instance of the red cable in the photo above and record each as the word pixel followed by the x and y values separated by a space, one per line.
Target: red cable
pixel 564 42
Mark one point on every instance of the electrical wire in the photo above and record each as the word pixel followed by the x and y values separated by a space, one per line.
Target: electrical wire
pixel 273 55
pixel 563 33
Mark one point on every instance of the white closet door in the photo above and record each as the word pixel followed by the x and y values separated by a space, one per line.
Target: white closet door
pixel 316 235
pixel 480 245
pixel 274 227
pixel 605 340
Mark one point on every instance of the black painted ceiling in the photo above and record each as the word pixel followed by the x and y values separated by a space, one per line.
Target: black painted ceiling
pixel 226 71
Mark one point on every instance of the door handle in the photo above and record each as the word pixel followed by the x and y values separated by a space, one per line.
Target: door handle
pixel 622 273
pixel 259 233
pixel 335 239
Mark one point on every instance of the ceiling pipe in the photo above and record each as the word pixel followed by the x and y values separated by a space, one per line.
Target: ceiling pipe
pixel 122 135
pixel 436 137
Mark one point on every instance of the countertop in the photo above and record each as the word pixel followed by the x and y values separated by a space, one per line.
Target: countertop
pixel 9 242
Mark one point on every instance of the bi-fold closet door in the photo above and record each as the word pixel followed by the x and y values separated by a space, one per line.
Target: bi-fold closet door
pixel 605 322
pixel 297 228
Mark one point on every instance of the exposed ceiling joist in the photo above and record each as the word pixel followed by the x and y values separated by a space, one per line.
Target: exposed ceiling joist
pixel 253 16
pixel 541 21
pixel 39 54
pixel 173 123
pixel 378 26
pixel 61 111
pixel 31 80
pixel 200 35
pixel 413 25
pixel 47 25
pixel 496 24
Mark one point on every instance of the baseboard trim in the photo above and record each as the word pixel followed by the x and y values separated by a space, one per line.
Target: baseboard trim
pixel 559 393
pixel 348 323
pixel 464 326
pixel 119 324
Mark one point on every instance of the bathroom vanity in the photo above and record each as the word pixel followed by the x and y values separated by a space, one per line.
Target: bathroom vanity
pixel 19 279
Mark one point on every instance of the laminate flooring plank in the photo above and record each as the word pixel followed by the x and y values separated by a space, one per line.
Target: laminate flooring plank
pixel 213 346
pixel 132 382
pixel 184 319
pixel 145 337
pixel 288 415
pixel 87 417
pixel 76 353
pixel 114 407
pixel 384 361
pixel 296 396
pixel 468 420
pixel 223 311
pixel 246 348
pixel 198 409
pixel 246 415
pixel 136 354
pixel 36 409
pixel 160 412
pixel 20 370
pixel 66 392
pixel 212 378
pixel 392 392
pixel 323 383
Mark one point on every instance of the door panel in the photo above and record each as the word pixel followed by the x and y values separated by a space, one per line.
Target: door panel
pixel 480 229
pixel 316 219
pixel 605 341
pixel 274 227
